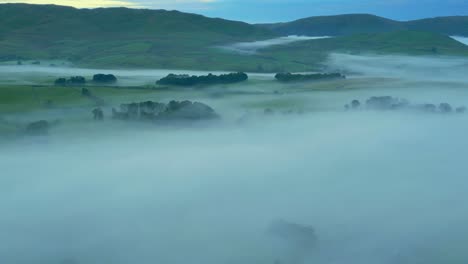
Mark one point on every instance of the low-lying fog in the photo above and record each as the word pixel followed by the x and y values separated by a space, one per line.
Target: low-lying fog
pixel 378 187
pixel 425 69
pixel 463 40
pixel 253 47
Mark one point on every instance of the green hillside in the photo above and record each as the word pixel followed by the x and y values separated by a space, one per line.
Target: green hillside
pixel 452 26
pixel 341 25
pixel 335 25
pixel 313 52
pixel 120 37
pixel 141 38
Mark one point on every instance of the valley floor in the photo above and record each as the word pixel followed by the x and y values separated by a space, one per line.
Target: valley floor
pixel 377 186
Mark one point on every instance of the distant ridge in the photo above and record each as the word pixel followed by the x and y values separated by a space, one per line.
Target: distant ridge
pixel 341 25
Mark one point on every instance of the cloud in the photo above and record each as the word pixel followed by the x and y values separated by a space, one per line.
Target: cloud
pixel 79 3
pixel 170 4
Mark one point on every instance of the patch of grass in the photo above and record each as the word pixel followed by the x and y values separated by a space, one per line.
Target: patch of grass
pixel 24 98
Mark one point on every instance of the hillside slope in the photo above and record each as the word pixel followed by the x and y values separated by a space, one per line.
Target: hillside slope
pixel 314 52
pixel 140 38
pixel 116 36
pixel 452 26
pixel 335 25
pixel 341 25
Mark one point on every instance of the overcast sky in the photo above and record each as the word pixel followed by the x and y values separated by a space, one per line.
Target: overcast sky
pixel 283 10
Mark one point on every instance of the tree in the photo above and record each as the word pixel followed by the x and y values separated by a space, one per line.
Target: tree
pixel 76 80
pixel 85 92
pixel 104 78
pixel 61 82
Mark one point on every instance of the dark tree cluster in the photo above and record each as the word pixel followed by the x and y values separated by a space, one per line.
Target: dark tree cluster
pixel 38 128
pixel 104 78
pixel 291 77
pixel 385 103
pixel 393 103
pixel 75 80
pixel 174 110
pixel 187 80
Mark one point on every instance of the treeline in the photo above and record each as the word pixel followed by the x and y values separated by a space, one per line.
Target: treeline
pixel 75 80
pixel 187 80
pixel 80 80
pixel 290 77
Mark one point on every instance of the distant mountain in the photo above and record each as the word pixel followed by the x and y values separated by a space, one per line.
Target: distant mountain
pixel 341 25
pixel 116 36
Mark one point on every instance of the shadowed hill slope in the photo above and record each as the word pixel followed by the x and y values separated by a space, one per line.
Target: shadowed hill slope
pixel 112 36
pixel 364 23
pixel 335 25
pixel 453 26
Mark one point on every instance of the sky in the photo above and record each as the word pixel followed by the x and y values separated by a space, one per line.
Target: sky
pixel 281 10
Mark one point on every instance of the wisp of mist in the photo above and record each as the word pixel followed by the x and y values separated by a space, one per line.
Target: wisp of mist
pixel 377 187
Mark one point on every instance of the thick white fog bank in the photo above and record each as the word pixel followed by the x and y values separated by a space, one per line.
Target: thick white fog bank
pixel 253 47
pixel 463 40
pixel 450 69
pixel 377 188
pixel 384 187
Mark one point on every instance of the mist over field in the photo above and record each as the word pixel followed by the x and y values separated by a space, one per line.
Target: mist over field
pixel 34 74
pixel 249 48
pixel 463 40
pixel 400 67
pixel 377 186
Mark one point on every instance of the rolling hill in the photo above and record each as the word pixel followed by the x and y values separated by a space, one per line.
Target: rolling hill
pixel 452 26
pixel 335 25
pixel 350 24
pixel 119 36
pixel 142 38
